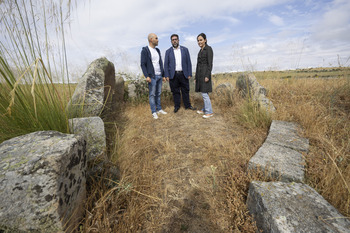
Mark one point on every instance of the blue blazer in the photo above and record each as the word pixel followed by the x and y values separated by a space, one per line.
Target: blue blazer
pixel 147 65
pixel 169 62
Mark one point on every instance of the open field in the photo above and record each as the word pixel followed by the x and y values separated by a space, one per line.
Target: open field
pixel 183 173
pixel 325 72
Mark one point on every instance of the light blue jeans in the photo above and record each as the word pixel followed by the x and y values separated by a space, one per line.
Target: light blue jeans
pixel 155 89
pixel 207 109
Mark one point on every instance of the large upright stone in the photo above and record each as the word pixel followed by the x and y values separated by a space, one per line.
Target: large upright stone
pixel 92 129
pixel 94 91
pixel 248 85
pixel 293 207
pixel 42 182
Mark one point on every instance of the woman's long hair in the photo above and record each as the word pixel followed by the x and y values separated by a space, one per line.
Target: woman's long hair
pixel 204 37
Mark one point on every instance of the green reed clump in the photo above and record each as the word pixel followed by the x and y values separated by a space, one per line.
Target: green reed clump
pixel 29 98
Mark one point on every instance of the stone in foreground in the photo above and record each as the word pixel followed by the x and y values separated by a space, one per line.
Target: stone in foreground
pixel 280 156
pixel 293 207
pixel 278 162
pixel 286 134
pixel 42 182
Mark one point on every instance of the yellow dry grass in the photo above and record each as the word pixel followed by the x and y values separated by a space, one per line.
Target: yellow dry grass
pixel 179 173
pixel 322 108
pixel 183 173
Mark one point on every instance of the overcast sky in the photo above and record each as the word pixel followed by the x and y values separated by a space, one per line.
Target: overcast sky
pixel 245 35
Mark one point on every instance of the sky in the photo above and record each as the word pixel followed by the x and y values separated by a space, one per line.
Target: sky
pixel 250 35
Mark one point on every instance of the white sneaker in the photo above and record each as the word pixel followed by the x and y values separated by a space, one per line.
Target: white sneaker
pixel 208 115
pixel 155 116
pixel 162 112
pixel 200 112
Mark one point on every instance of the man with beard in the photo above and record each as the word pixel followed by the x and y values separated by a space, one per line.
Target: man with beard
pixel 178 71
pixel 152 69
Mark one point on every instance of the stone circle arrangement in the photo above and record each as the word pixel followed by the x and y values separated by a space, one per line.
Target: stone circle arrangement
pixel 43 174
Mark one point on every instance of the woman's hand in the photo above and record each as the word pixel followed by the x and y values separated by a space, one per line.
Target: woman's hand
pixel 206 79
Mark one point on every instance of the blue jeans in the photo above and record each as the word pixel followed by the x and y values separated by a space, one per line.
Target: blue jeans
pixel 155 89
pixel 207 109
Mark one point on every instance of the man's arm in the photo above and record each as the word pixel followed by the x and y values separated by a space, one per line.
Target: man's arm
pixel 144 64
pixel 188 58
pixel 189 63
pixel 166 64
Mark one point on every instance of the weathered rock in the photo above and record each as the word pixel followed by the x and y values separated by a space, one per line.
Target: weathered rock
pixel 278 162
pixel 132 90
pixel 93 131
pixel 103 168
pixel 292 207
pixel 249 87
pixel 94 91
pixel 166 87
pixel 119 90
pixel 224 89
pixel 138 88
pixel 42 182
pixel 279 157
pixel 286 134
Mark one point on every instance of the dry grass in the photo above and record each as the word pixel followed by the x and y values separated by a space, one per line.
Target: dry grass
pixel 182 173
pixel 322 108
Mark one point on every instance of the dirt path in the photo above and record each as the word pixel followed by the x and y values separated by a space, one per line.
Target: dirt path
pixel 187 173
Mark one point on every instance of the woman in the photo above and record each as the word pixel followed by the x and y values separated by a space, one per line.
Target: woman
pixel 203 74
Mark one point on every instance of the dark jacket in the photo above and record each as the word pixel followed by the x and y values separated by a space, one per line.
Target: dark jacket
pixel 146 63
pixel 169 62
pixel 204 68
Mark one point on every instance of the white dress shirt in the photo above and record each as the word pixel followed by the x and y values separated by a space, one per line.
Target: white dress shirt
pixel 177 53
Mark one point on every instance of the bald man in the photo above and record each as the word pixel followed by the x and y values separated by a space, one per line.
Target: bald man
pixel 152 69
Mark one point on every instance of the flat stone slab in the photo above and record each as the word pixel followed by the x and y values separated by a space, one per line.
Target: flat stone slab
pixel 293 207
pixel 280 156
pixel 278 162
pixel 286 134
pixel 42 182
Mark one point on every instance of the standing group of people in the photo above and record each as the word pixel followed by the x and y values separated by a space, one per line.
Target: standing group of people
pixel 177 69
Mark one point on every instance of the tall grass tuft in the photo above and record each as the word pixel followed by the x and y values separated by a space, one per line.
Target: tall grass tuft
pixel 32 61
pixel 252 116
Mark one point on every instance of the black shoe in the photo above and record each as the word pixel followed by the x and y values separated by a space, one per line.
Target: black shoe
pixel 191 108
pixel 176 109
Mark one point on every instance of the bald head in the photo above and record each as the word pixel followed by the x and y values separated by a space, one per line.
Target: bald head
pixel 151 35
pixel 153 40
